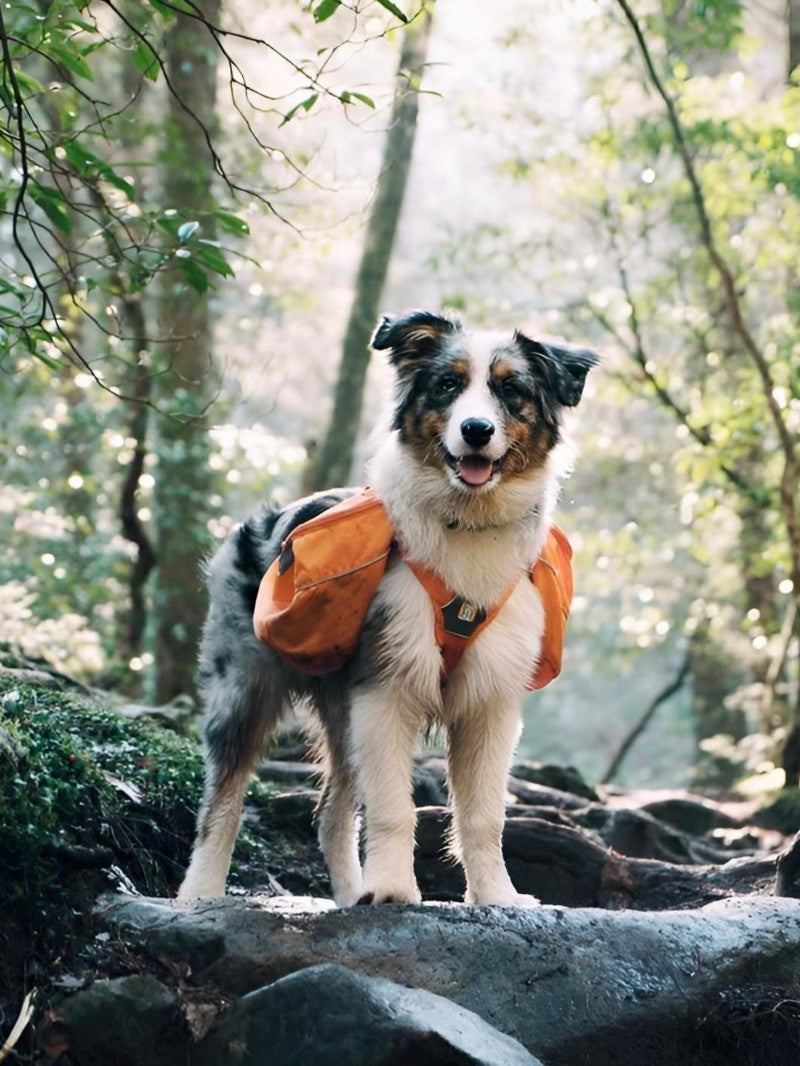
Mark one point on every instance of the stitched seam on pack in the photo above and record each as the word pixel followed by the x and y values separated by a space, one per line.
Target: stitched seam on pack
pixel 341 573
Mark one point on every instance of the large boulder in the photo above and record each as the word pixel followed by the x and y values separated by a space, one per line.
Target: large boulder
pixel 581 986
pixel 130 1021
pixel 331 1016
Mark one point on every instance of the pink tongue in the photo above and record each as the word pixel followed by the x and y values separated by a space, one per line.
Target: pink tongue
pixel 475 470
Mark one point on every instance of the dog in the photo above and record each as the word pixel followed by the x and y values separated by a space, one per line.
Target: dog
pixel 469 475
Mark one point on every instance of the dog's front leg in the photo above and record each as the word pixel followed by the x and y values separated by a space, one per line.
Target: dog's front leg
pixel 481 744
pixel 383 731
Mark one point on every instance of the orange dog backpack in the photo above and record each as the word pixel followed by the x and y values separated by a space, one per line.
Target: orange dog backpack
pixel 314 598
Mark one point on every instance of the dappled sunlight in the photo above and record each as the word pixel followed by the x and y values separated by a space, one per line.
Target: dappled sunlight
pixel 248 250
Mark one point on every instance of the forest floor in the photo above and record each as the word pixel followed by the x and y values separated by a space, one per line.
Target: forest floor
pixel 99 797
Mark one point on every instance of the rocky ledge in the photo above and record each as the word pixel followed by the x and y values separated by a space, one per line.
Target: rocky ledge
pixel 292 980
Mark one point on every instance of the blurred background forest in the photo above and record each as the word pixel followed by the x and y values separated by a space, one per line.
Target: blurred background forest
pixel 204 205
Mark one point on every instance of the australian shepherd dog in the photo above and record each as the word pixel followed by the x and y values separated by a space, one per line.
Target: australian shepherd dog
pixel 469 476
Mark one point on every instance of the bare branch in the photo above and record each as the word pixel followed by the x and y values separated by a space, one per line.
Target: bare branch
pixel 643 721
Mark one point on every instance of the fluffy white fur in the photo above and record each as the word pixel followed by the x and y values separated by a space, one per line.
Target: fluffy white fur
pixel 480 706
pixel 481 540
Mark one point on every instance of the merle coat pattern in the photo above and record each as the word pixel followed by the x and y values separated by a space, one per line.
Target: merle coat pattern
pixel 469 475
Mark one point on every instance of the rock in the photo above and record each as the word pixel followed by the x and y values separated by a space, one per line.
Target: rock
pixel 696 815
pixel 642 836
pixel 130 1021
pixel 582 987
pixel 438 877
pixel 179 714
pixel 430 787
pixel 290 810
pixel 330 1016
pixel 564 778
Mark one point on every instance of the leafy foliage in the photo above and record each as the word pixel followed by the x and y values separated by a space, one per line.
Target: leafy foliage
pixel 684 504
pixel 680 236
pixel 89 226
pixel 94 233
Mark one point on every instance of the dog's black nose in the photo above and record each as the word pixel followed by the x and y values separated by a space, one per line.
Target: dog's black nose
pixel 477 431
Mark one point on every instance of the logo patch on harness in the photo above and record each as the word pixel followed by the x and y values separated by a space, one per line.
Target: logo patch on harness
pixel 462 618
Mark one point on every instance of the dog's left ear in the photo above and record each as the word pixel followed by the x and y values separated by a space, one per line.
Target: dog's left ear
pixel 568 366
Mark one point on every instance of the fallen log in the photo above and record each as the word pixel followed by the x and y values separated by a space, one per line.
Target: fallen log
pixel 563 865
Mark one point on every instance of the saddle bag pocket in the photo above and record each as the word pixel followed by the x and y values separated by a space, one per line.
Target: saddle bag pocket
pixel 314 598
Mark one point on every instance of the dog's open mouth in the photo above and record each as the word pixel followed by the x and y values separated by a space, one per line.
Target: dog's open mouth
pixel 474 470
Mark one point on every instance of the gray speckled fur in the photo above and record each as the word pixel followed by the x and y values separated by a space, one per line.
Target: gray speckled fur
pixel 244 684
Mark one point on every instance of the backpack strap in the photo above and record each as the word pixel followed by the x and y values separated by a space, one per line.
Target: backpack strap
pixel 457 621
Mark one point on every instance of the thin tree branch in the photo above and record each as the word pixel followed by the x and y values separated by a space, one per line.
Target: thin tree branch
pixel 644 719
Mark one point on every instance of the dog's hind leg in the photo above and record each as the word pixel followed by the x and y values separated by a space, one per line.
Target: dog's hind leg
pixel 480 746
pixel 336 811
pixel 237 720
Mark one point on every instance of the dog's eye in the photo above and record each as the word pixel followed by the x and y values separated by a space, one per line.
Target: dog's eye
pixel 448 385
pixel 513 390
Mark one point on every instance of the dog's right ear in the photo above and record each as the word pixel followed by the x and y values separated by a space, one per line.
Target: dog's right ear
pixel 412 335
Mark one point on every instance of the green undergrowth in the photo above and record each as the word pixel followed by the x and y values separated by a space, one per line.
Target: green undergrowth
pixel 89 801
pixel 80 785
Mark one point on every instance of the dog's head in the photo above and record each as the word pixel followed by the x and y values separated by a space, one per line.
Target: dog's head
pixel 482 407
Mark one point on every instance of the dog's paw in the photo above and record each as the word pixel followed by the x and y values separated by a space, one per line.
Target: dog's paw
pixel 522 900
pixel 392 895
pixel 511 899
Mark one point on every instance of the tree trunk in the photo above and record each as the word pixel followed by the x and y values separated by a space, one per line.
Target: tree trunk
pixel 134 313
pixel 183 385
pixel 333 460
pixel 793 21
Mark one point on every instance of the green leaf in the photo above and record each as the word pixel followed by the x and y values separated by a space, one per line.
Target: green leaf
pixel 195 276
pixel 325 9
pixel 9 286
pixel 349 95
pixel 28 84
pixel 304 105
pixel 232 223
pixel 49 362
pixel 53 204
pixel 169 10
pixel 70 58
pixel 209 256
pixel 394 9
pixel 92 166
pixel 146 61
